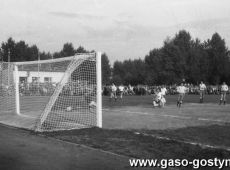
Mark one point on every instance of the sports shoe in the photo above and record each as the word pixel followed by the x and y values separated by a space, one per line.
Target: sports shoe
pixel 220 102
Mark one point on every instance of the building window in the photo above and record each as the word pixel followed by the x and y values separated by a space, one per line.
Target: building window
pixel 35 79
pixel 47 79
pixel 23 79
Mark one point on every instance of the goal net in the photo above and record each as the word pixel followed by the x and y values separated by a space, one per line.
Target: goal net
pixel 58 94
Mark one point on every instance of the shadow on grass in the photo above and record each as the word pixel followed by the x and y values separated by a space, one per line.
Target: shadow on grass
pixel 214 135
pixel 138 145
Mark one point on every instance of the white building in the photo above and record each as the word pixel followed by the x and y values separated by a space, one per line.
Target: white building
pixel 42 77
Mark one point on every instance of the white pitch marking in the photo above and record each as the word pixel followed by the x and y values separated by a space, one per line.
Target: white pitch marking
pixel 184 141
pixel 166 115
pixel 211 120
pixel 181 117
pixel 27 116
pixel 146 113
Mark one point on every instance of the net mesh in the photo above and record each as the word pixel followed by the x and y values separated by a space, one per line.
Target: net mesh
pixel 58 94
pixel 7 88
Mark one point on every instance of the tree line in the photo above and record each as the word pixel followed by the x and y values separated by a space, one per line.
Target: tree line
pixel 13 51
pixel 180 57
pixel 20 51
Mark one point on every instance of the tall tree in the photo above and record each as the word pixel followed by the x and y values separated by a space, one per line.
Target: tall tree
pixel 173 64
pixel 81 49
pixel 45 56
pixel 1 55
pixel 68 50
pixel 8 50
pixel 106 69
pixel 22 51
pixel 218 59
pixel 33 53
pixel 118 72
pixel 18 51
pixel 153 65
pixel 139 71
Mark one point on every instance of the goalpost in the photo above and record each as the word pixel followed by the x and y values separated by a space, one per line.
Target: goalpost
pixel 61 94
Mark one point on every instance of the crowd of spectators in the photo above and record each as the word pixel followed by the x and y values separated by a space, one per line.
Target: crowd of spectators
pixel 171 89
pixel 48 88
pixel 36 89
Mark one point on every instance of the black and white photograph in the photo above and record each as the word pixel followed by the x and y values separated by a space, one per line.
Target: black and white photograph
pixel 114 84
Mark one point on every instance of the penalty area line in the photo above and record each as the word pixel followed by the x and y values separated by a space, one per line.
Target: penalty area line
pixel 170 116
pixel 151 114
pixel 184 141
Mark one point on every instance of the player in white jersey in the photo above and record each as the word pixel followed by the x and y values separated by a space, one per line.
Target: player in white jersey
pixel 113 93
pixel 90 93
pixel 121 90
pixel 181 89
pixel 158 99
pixel 224 90
pixel 202 88
pixel 163 90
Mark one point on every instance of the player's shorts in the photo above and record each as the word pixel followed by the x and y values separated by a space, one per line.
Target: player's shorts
pixel 223 92
pixel 113 94
pixel 163 100
pixel 202 92
pixel 181 96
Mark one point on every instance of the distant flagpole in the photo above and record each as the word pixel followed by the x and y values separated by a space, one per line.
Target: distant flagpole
pixel 39 65
pixel 38 70
pixel 9 55
pixel 8 67
pixel 1 55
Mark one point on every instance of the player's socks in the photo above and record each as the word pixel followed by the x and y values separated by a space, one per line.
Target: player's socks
pixel 177 103
pixel 220 102
pixel 224 102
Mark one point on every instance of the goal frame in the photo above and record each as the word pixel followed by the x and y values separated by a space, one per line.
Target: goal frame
pixel 68 73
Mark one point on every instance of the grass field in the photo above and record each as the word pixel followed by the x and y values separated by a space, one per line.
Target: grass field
pixel 132 127
pixel 136 112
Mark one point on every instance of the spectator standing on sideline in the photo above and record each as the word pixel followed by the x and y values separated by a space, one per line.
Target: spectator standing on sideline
pixel 202 88
pixel 223 92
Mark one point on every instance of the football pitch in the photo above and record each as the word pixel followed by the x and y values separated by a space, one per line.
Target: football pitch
pixel 136 112
pixel 133 128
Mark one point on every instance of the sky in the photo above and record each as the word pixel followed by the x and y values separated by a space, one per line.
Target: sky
pixel 123 29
